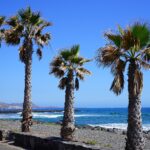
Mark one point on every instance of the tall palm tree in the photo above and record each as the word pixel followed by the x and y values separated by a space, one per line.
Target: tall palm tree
pixel 2 30
pixel 128 47
pixel 68 66
pixel 26 30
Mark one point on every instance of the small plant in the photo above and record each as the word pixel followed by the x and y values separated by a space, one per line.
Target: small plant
pixel 108 145
pixel 91 142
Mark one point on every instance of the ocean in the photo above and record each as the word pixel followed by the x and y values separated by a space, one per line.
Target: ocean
pixel 104 117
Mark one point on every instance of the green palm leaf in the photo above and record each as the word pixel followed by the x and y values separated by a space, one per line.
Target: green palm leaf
pixel 115 39
pixel 141 32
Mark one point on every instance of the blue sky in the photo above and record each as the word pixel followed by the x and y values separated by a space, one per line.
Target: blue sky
pixel 74 22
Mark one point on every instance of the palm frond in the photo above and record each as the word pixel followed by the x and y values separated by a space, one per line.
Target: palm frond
pixel 128 41
pixel 79 60
pixel 107 55
pixel 83 60
pixel 83 71
pixel 57 72
pixel 65 54
pixel 35 17
pixel 58 67
pixel 118 66
pixel 12 21
pixel 43 24
pixel 80 75
pixel 25 14
pixel 74 51
pixel 118 83
pixel 121 31
pixel 44 39
pixel 2 19
pixel 144 64
pixel 141 32
pixel 63 83
pixel 39 53
pixel 22 54
pixel 145 54
pixel 77 84
pixel 12 37
pixel 114 39
pixel 19 28
pixel 57 62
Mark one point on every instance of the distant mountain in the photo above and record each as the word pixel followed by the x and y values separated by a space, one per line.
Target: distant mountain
pixel 14 105
pixel 19 106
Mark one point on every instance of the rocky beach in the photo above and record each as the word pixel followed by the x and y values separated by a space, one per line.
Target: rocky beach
pixel 105 138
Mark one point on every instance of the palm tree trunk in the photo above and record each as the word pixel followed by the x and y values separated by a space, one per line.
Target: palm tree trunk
pixel 68 127
pixel 27 108
pixel 135 139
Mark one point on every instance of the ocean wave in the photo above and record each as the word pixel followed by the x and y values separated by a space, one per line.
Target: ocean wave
pixel 36 115
pixel 10 116
pixel 46 115
pixel 49 115
pixel 91 115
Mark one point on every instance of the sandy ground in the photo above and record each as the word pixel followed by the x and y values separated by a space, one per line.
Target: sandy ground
pixel 106 140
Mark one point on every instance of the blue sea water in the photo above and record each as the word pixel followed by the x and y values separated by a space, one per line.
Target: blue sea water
pixel 105 117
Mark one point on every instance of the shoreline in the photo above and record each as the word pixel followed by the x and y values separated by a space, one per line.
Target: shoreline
pixel 96 136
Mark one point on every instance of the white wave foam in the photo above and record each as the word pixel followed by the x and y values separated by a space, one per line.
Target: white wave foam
pixel 36 115
pixel 3 116
pixel 91 115
pixel 111 125
pixel 19 113
pixel 47 115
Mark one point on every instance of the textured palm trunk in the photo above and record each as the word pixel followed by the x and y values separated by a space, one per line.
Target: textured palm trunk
pixel 135 140
pixel 68 127
pixel 27 108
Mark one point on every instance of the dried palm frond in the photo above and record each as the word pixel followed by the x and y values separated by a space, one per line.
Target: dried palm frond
pixel 39 53
pixel 76 83
pixel 57 61
pixel 107 55
pixel 80 75
pixel 57 72
pixel 118 66
pixel 62 83
pixel 145 54
pixel 12 37
pixel 83 71
pixel 118 83
pixel 144 64
pixel 12 21
pixel 128 40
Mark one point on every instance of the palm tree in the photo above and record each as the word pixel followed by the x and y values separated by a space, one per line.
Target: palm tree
pixel 26 30
pixel 128 47
pixel 68 66
pixel 2 30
